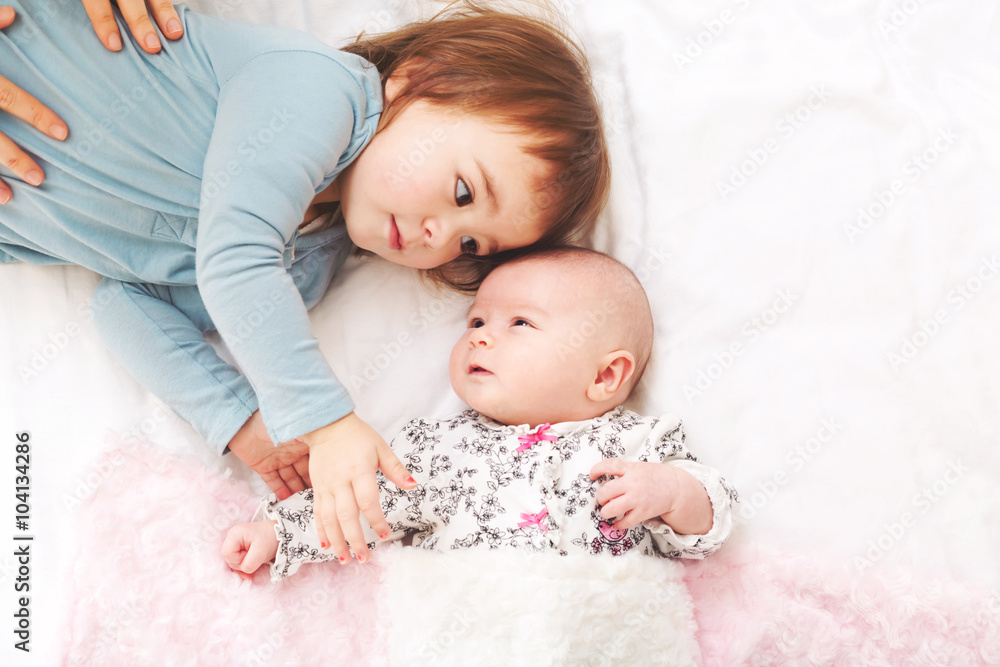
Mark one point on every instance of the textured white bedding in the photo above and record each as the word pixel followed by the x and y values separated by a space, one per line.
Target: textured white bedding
pixel 808 192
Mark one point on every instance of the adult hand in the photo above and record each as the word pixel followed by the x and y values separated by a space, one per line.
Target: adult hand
pixel 15 101
pixel 137 18
pixel 284 468
pixel 343 459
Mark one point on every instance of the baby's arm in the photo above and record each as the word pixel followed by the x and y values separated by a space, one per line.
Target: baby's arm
pixel 698 501
pixel 643 491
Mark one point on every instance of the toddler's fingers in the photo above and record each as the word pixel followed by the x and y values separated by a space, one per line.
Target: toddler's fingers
pixel 348 517
pixel 393 469
pixel 328 528
pixel 366 494
pixel 615 467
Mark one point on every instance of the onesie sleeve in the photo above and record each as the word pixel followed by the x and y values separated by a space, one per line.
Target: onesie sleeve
pixel 666 444
pixel 287 123
pixel 298 541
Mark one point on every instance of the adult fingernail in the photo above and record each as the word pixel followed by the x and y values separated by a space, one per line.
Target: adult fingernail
pixel 34 177
pixel 6 13
pixel 58 131
pixel 173 26
pixel 114 42
pixel 4 196
pixel 152 43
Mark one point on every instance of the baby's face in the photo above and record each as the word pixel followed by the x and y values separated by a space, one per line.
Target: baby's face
pixel 531 348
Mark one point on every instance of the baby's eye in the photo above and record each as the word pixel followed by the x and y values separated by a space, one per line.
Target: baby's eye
pixel 469 245
pixel 475 323
pixel 521 323
pixel 462 195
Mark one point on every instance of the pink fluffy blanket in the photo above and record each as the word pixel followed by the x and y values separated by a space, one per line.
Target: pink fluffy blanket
pixel 151 589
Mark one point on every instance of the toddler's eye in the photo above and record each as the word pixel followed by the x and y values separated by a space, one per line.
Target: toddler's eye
pixel 476 323
pixel 469 245
pixel 462 195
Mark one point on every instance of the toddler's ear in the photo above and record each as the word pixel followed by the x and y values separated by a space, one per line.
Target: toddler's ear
pixel 613 374
pixel 399 78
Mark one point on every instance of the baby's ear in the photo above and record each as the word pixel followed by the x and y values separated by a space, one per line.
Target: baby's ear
pixel 613 374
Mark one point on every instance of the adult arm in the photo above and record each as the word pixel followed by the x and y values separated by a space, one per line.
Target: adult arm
pixel 17 102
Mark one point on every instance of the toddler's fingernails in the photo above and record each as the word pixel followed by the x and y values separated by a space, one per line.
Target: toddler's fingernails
pixel 152 43
pixel 58 131
pixel 34 177
pixel 114 42
pixel 362 558
pixel 341 559
pixel 410 480
pixel 173 27
pixel 384 535
pixel 324 544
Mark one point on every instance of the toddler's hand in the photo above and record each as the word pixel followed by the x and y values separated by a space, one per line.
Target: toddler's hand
pixel 250 545
pixel 343 459
pixel 640 491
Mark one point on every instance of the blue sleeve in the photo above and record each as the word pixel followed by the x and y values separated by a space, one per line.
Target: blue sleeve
pixel 287 122
pixel 157 333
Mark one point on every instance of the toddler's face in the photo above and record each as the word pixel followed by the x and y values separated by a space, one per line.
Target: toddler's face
pixel 525 357
pixel 433 185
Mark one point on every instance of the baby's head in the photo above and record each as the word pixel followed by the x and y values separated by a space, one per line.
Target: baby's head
pixel 491 140
pixel 559 335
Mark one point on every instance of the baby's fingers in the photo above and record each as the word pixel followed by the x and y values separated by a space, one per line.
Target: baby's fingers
pixel 616 507
pixel 614 467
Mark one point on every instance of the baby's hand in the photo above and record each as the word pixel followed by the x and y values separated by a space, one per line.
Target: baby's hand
pixel 640 491
pixel 250 545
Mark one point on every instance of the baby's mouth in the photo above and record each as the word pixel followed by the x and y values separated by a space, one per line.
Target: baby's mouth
pixel 478 370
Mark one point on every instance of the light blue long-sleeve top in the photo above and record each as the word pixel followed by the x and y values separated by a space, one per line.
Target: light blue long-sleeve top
pixel 184 180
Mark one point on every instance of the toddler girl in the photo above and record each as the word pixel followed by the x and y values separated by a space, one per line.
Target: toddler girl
pixel 190 176
pixel 555 343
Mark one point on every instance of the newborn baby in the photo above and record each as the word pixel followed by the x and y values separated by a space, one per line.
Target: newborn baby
pixel 548 458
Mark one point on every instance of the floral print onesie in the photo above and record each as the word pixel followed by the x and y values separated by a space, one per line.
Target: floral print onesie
pixel 484 485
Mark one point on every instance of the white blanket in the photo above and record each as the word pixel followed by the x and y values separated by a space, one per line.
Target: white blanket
pixel 806 191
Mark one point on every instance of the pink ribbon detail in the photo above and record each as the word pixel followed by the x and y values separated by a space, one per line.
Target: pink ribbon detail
pixel 532 439
pixel 534 520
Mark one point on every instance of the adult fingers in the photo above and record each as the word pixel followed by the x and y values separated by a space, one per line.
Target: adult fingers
pixel 276 484
pixel 103 20
pixel 615 467
pixel 291 478
pixel 166 17
pixel 302 467
pixel 139 23
pixel 19 103
pixel 6 16
pixel 22 165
